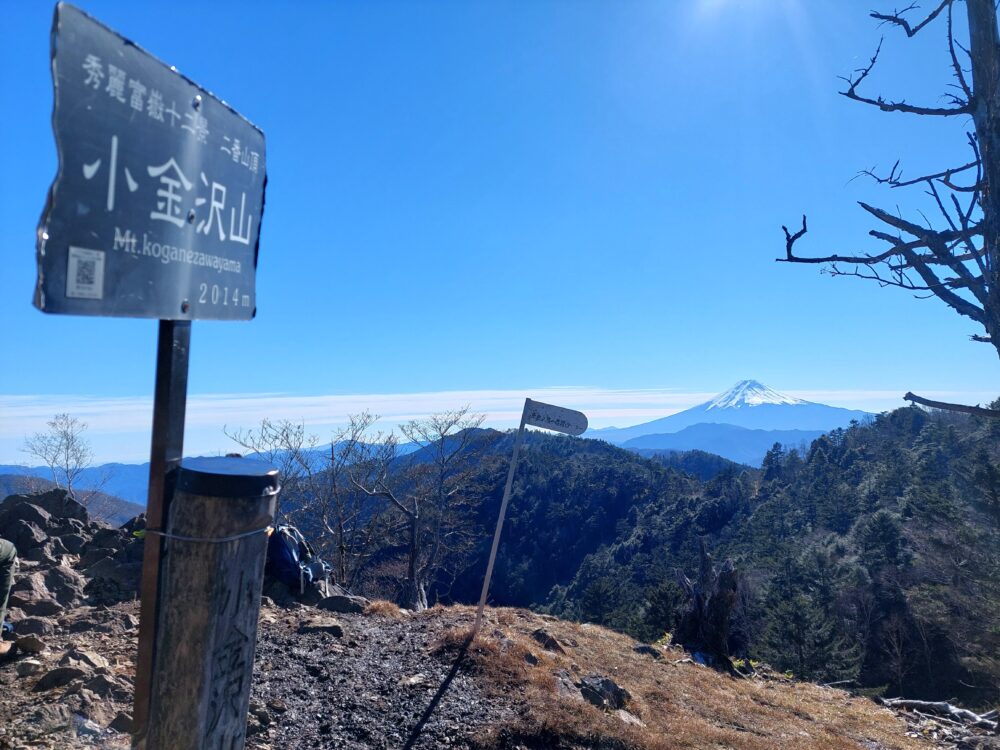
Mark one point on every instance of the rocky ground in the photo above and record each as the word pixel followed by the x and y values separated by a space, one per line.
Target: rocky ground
pixel 345 673
pixel 378 685
pixel 71 685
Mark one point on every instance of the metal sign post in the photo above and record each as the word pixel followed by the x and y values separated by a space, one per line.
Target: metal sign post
pixel 155 212
pixel 170 400
pixel 538 414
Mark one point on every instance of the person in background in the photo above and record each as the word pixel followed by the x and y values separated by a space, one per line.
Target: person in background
pixel 8 558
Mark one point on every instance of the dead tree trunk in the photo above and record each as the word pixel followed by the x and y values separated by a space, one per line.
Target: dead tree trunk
pixel 704 627
pixel 984 53
pixel 940 708
pixel 414 594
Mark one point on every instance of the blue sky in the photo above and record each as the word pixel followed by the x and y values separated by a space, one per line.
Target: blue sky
pixel 474 202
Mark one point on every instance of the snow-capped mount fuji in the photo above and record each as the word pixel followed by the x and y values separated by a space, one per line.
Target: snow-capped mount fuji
pixel 750 405
pixel 750 393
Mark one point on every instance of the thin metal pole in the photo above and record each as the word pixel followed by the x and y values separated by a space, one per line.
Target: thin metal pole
pixel 169 403
pixel 503 512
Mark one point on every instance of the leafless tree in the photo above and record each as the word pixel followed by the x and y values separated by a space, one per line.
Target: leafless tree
pixel 64 450
pixel 346 525
pixel 957 262
pixel 896 648
pixel 428 494
pixel 353 521
pixel 289 448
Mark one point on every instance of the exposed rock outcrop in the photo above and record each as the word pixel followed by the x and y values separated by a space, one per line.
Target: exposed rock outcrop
pixel 66 560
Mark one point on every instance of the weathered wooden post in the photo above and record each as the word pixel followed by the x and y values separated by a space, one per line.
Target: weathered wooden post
pixel 214 549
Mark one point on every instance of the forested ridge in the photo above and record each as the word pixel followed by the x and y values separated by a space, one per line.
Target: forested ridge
pixel 873 557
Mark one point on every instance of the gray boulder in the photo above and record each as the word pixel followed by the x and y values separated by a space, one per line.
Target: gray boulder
pixel 92 554
pixel 78 657
pixel 58 677
pixel 58 503
pixel 29 667
pixel 72 526
pixel 111 581
pixel 343 603
pixel 39 607
pixel 106 687
pixel 548 641
pixel 23 535
pixel 74 542
pixel 30 644
pixel 50 552
pixel 133 552
pixel 647 650
pixel 52 717
pixel 26 511
pixel 604 692
pixel 565 686
pixel 65 585
pixel 321 624
pixel 35 626
pixel 41 554
pixel 29 593
pixel 122 723
pixel 110 538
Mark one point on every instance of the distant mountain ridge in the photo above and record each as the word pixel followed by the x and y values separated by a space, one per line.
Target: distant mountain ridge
pixel 748 405
pixel 729 441
pixel 130 482
pixel 126 481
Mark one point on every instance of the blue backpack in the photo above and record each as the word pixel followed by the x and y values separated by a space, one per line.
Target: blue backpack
pixel 291 559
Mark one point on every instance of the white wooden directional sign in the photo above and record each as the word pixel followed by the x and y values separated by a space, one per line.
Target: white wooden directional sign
pixel 155 210
pixel 538 414
pixel 555 418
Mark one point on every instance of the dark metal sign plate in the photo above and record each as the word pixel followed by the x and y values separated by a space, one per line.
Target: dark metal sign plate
pixel 155 211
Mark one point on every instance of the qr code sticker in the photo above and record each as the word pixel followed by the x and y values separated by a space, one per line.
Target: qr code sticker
pixel 85 273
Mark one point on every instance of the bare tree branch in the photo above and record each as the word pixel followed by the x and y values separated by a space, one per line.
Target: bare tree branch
pixel 963 107
pixel 976 410
pixel 894 179
pixel 896 17
pixel 790 238
pixel 955 65
pixel 897 249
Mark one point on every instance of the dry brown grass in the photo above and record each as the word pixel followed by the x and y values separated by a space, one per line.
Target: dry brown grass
pixel 384 607
pixel 682 705
pixel 502 663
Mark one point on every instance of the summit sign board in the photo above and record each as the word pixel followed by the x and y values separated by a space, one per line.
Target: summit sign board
pixel 156 207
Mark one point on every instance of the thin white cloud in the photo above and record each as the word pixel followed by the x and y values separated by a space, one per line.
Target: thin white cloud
pixel 119 427
pixel 25 414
